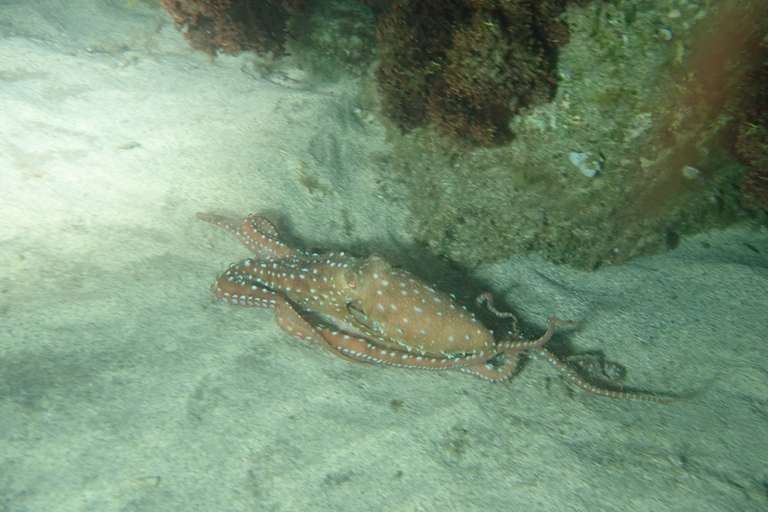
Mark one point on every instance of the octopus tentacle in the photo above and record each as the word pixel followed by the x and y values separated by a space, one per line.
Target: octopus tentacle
pixel 509 349
pixel 256 233
pixel 366 352
pixel 487 299
pixel 286 315
pixel 567 372
pixel 494 372
pixel 292 322
pixel 235 291
pixel 521 345
pixel 598 368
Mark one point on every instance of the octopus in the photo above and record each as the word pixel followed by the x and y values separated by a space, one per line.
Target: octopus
pixel 365 310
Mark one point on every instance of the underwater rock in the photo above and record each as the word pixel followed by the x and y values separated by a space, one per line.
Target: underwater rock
pixel 468 66
pixel 233 26
pixel 658 110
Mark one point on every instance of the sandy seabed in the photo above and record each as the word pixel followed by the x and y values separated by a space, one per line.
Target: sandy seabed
pixel 124 385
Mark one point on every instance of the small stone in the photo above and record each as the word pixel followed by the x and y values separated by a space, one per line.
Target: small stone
pixel 691 173
pixel 585 163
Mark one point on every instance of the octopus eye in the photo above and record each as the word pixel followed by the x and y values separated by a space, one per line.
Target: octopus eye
pixel 352 283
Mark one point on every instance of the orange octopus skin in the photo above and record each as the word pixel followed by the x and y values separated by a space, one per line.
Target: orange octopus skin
pixel 366 311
